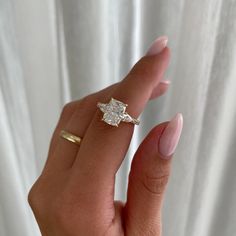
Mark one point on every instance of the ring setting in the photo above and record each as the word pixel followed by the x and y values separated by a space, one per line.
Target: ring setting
pixel 115 112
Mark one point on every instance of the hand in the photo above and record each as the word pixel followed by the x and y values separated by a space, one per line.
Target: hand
pixel 74 195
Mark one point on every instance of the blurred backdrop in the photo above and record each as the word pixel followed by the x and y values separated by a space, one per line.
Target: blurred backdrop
pixel 55 51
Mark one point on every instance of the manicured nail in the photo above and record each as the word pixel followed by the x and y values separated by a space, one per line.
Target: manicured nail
pixel 167 82
pixel 170 136
pixel 157 46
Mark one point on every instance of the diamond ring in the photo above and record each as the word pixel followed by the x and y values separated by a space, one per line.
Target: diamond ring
pixel 114 113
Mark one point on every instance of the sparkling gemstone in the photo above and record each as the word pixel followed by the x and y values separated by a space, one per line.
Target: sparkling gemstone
pixel 103 107
pixel 111 118
pixel 117 106
pixel 127 118
pixel 114 111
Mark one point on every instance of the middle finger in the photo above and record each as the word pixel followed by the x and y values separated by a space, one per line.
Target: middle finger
pixel 104 147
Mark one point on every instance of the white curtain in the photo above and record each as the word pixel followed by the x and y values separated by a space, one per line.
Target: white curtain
pixel 57 50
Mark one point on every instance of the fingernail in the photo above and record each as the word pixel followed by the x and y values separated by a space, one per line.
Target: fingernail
pixel 165 82
pixel 157 46
pixel 170 136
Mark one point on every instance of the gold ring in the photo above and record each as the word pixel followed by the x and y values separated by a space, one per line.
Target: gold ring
pixel 70 137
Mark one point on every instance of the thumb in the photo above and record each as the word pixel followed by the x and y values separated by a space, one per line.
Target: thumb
pixel 150 171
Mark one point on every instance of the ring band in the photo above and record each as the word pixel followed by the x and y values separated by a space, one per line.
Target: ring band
pixel 70 137
pixel 115 111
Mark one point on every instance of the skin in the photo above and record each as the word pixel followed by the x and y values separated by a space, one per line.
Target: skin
pixel 74 195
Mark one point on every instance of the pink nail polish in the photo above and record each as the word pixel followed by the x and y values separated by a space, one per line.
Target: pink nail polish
pixel 157 46
pixel 170 136
pixel 167 82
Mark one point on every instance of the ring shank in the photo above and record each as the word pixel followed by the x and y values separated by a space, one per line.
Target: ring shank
pixel 70 137
pixel 135 121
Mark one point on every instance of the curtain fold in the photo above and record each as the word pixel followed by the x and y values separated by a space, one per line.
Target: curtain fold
pixel 55 51
pixel 18 165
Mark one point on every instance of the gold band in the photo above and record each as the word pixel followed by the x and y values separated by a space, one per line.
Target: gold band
pixel 70 137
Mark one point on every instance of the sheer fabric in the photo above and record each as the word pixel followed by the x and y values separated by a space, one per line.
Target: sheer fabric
pixel 54 51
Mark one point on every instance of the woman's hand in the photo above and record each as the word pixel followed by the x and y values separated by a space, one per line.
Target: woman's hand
pixel 74 195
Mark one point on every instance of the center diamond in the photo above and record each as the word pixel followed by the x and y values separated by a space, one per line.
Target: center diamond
pixel 114 111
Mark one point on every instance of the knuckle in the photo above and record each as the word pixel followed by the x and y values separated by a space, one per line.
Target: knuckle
pixel 35 201
pixel 32 195
pixel 37 198
pixel 150 230
pixel 156 184
pixel 88 104
pixel 67 108
pixel 85 102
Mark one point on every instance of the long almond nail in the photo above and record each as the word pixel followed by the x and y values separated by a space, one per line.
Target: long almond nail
pixel 166 82
pixel 157 46
pixel 170 137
